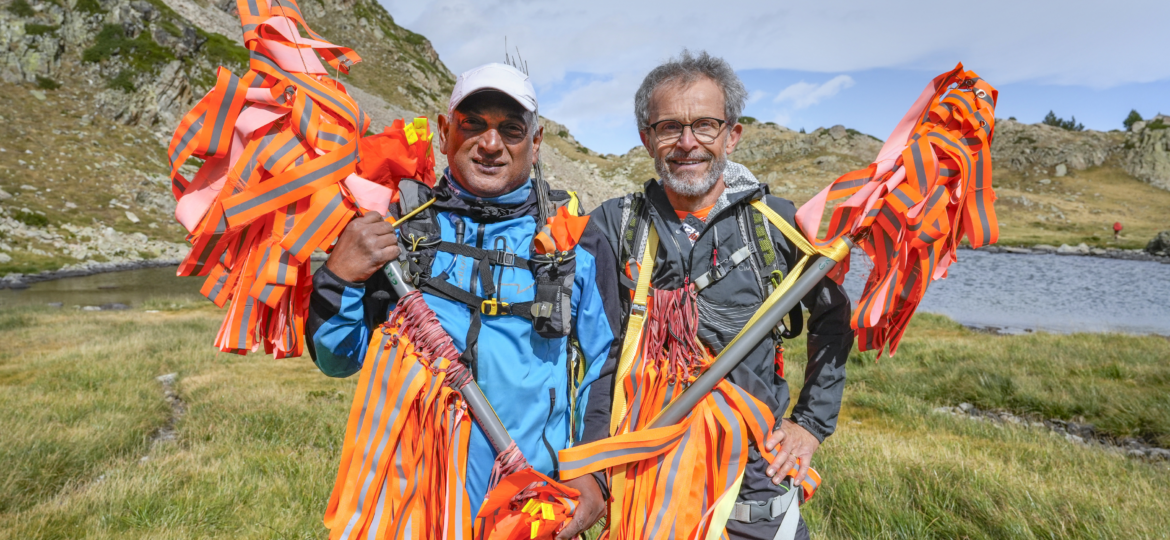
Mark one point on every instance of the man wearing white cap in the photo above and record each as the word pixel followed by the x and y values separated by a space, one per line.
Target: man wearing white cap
pixel 539 337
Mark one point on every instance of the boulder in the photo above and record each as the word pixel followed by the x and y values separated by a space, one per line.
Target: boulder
pixel 4 195
pixel 838 132
pixel 1160 244
pixel 1079 249
pixel 1061 169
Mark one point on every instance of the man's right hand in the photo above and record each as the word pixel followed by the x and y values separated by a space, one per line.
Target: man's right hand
pixel 364 247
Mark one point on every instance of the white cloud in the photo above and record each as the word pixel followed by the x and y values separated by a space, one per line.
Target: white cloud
pixel 756 95
pixel 1005 41
pixel 803 95
pixel 600 102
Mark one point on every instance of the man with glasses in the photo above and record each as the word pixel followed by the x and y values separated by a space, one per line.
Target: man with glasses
pixel 713 240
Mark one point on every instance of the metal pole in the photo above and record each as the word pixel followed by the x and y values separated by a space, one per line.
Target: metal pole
pixel 743 344
pixel 483 412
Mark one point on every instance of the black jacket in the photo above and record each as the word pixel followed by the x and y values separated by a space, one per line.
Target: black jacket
pixel 727 304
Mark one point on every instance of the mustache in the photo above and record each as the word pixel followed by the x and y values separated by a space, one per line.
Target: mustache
pixel 697 153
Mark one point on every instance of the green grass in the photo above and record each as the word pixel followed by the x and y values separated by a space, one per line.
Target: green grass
pixel 21 8
pixel 39 29
pixel 223 51
pixel 90 6
pixel 257 448
pixel 895 470
pixel 45 83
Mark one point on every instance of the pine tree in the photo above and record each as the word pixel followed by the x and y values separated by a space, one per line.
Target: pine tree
pixel 1130 120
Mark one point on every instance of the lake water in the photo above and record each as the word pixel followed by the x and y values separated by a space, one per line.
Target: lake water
pixel 1054 293
pixel 1013 292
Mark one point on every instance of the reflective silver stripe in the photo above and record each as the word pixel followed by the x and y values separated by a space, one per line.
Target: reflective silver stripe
pixel 317 222
pixel 671 473
pixel 275 193
pixel 375 421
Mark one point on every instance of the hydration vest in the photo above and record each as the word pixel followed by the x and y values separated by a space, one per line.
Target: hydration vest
pixel 553 271
pixel 767 267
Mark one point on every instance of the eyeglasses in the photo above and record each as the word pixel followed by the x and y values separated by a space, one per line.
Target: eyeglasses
pixel 705 129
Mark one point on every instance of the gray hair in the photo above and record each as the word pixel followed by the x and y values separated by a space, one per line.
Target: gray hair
pixel 685 70
pixel 532 122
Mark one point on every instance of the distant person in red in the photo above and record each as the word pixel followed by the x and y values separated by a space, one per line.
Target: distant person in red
pixel 1116 230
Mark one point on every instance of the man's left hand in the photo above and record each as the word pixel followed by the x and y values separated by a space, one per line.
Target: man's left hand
pixel 795 449
pixel 589 508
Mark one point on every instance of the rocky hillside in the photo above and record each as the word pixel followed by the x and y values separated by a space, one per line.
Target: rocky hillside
pixel 1055 186
pixel 91 89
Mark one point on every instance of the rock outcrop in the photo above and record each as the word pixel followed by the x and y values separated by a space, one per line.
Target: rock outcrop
pixel 1146 153
pixel 1041 149
pixel 1159 245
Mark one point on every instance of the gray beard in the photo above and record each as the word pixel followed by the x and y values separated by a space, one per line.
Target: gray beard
pixel 688 185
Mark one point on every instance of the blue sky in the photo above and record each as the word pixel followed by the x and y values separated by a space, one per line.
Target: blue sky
pixel 808 65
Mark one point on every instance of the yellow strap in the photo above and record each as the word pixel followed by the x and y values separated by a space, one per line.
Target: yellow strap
pixel 788 230
pixel 625 364
pixel 633 330
pixel 723 507
pixel 574 204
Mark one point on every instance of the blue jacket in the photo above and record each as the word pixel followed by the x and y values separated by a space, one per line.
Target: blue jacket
pixel 525 376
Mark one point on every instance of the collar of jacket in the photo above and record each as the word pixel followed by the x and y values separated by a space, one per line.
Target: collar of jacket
pixel 451 197
pixel 741 185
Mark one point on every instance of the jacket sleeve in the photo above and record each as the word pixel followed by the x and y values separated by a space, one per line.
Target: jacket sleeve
pixel 830 338
pixel 341 317
pixel 598 329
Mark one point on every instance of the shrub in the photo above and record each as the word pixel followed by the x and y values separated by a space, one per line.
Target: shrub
pixel 90 6
pixel 30 219
pixel 47 84
pixel 21 8
pixel 123 81
pixel 141 53
pixel 1158 124
pixel 415 39
pixel 223 51
pixel 1071 124
pixel 747 120
pixel 1132 119
pixel 39 29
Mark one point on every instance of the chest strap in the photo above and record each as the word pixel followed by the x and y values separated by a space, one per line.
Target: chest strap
pixel 722 268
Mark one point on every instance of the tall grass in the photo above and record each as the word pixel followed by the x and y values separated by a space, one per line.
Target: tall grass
pixel 257 448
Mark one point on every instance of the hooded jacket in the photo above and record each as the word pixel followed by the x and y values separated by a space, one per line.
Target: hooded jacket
pixel 525 376
pixel 726 305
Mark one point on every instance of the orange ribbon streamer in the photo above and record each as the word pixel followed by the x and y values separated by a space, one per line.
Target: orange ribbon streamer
pixel 929 187
pixel 280 146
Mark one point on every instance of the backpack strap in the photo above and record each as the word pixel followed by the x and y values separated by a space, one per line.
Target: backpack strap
pixel 630 346
pixel 633 335
pixel 633 227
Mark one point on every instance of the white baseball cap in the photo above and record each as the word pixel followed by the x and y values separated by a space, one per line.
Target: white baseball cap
pixel 500 77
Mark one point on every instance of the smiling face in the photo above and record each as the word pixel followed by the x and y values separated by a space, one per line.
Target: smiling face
pixel 488 144
pixel 687 166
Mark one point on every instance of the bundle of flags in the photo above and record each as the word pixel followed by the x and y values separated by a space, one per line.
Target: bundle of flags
pixel 929 187
pixel 281 176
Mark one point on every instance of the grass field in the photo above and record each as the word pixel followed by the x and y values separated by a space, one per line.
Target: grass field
pixel 256 449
